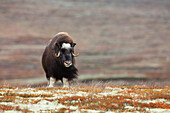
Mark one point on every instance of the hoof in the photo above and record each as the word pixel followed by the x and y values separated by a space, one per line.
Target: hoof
pixel 50 86
pixel 65 86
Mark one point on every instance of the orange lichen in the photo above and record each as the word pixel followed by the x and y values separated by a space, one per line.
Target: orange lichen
pixel 26 95
pixel 5 107
pixel 7 99
pixel 90 98
pixel 17 108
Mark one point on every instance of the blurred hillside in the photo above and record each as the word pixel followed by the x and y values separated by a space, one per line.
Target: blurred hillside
pixel 115 38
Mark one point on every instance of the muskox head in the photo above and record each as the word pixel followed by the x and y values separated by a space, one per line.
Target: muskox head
pixel 65 52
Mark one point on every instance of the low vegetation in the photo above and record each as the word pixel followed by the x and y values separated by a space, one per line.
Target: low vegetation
pixel 85 99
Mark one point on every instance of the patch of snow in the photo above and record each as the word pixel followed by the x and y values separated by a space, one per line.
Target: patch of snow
pixel 35 98
pixel 65 91
pixel 113 92
pixel 7 103
pixel 110 112
pixel 12 111
pixel 168 102
pixel 133 95
pixel 7 89
pixel 36 93
pixel 108 88
pixel 80 93
pixel 152 101
pixel 44 102
pixel 42 105
pixel 157 90
pixel 129 107
pixel 91 111
pixel 157 110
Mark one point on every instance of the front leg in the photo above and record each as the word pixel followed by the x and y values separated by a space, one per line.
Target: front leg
pixel 51 82
pixel 65 83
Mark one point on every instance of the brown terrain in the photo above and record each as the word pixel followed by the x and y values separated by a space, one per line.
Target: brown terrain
pixel 115 38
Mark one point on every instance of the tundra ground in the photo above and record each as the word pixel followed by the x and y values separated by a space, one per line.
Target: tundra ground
pixel 94 97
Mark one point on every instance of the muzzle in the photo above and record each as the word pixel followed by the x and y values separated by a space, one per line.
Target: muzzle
pixel 67 63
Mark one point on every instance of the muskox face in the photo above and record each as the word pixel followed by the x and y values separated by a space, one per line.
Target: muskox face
pixel 66 53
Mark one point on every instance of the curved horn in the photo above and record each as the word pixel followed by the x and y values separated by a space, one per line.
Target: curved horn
pixel 57 55
pixel 75 55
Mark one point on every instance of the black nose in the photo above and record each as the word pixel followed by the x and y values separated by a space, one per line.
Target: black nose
pixel 68 63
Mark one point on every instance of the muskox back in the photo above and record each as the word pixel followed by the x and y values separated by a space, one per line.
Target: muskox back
pixel 58 60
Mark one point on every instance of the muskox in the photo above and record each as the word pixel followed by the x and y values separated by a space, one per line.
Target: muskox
pixel 58 60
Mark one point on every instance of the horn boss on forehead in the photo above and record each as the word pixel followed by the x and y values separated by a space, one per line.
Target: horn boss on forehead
pixel 58 59
pixel 66 46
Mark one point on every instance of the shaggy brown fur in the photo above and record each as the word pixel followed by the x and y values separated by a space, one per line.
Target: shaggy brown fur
pixel 52 65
